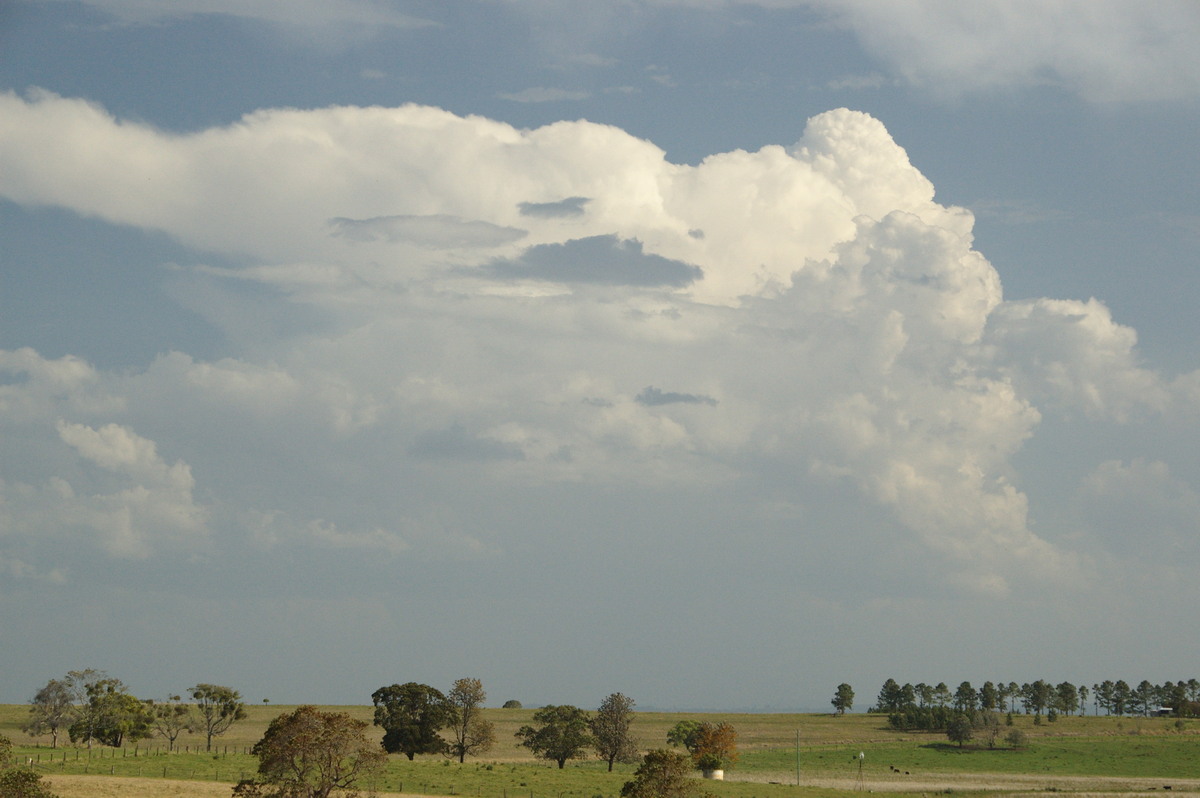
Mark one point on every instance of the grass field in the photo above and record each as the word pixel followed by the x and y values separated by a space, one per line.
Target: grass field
pixel 1082 756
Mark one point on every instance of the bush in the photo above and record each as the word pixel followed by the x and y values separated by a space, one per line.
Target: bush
pixel 662 774
pixel 23 783
pixel 19 782
pixel 1015 738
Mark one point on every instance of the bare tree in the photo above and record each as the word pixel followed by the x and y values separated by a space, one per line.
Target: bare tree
pixel 171 719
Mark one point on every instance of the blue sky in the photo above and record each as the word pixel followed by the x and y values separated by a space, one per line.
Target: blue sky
pixel 713 352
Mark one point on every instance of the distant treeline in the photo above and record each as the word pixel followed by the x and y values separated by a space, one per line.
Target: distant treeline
pixel 922 706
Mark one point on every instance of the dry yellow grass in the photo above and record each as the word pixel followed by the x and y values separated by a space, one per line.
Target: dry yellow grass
pixel 118 787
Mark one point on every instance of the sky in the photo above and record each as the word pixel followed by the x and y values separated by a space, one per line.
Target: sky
pixel 715 352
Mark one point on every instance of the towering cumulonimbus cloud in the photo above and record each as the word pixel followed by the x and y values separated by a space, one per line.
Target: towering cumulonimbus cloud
pixel 549 307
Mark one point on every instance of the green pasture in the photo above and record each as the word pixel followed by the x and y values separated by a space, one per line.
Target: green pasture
pixel 828 748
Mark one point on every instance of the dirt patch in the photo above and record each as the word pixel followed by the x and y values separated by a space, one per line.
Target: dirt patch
pixel 1019 784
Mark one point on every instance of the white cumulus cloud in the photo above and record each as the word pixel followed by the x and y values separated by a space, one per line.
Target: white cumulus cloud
pixel 496 309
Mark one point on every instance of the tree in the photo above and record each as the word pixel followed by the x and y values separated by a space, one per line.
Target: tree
pixel 1014 692
pixel 1143 697
pixel 1038 696
pixel 82 718
pixel 563 734
pixel 989 696
pixel 965 698
pixel 470 732
pixel 684 733
pixel 988 722
pixel 1121 697
pixel 511 703
pixel 716 742
pixel 662 774
pixel 170 719
pixel 111 715
pixel 960 729
pixel 411 715
pixel 51 710
pixel 891 697
pixel 1066 698
pixel 309 754
pixel 843 699
pixel 1103 693
pixel 610 728
pixel 217 708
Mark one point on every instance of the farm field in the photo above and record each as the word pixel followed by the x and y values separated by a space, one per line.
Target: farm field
pixel 1077 755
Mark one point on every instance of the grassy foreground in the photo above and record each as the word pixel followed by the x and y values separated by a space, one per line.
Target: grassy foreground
pixel 1088 755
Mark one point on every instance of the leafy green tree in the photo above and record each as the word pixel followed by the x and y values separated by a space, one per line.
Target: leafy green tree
pixel 470 733
pixel 1177 700
pixel 1038 696
pixel 308 753
pixel 1066 698
pixel 1104 695
pixel 965 698
pixel 989 697
pixel 960 729
pixel 1002 696
pixel 217 708
pixel 923 693
pixel 891 697
pixel 411 715
pixel 1083 698
pixel 111 715
pixel 171 718
pixel 1014 693
pixel 511 703
pixel 564 733
pixel 1121 697
pixel 684 733
pixel 610 728
pixel 941 695
pixel 843 699
pixel 662 774
pixel 51 711
pixel 1143 697
pixel 81 715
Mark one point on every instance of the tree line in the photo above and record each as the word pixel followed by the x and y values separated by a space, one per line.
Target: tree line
pixel 1178 699
pixel 91 706
pixel 311 753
